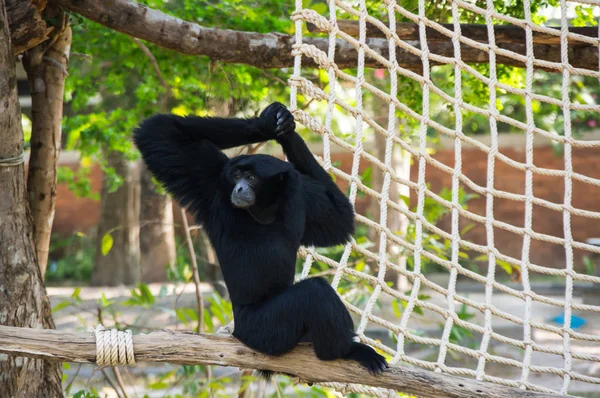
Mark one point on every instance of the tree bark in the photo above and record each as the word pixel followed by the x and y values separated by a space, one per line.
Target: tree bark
pixel 46 66
pixel 274 50
pixel 26 24
pixel 157 233
pixel 119 217
pixel 23 299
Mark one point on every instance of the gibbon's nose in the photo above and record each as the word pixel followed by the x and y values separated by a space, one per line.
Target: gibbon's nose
pixel 239 189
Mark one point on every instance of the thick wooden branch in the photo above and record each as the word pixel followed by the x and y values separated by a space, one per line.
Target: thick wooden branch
pixel 502 33
pixel 188 349
pixel 274 50
pixel 27 27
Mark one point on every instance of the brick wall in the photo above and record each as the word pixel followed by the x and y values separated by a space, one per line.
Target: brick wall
pixel 77 214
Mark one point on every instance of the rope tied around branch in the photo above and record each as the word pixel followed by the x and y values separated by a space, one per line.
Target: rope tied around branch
pixel 13 161
pixel 113 347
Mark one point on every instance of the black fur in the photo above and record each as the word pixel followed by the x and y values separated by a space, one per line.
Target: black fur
pixel 272 314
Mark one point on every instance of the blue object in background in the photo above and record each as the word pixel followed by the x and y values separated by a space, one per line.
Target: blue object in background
pixel 576 322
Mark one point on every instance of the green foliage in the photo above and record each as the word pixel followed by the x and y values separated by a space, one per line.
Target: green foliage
pixel 219 310
pixel 460 335
pixel 92 393
pixel 433 212
pixel 78 181
pixel 112 84
pixel 141 296
pixel 26 126
pixel 74 300
pixel 71 258
pixel 584 16
pixel 589 265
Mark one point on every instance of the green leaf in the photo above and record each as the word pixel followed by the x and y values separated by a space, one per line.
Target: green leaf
pixel 181 316
pixel 208 323
pixel 191 313
pixel 505 266
pixel 75 295
pixel 320 8
pixel 145 293
pixel 61 305
pixel 159 385
pixel 405 199
pixel 466 229
pixel 107 243
pixel 104 301
pixel 396 308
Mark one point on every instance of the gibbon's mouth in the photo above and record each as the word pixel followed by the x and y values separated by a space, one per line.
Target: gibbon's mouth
pixel 242 201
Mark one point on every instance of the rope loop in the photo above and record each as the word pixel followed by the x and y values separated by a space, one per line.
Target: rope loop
pixel 13 161
pixel 113 347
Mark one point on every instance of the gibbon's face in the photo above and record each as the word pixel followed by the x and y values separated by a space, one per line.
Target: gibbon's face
pixel 246 189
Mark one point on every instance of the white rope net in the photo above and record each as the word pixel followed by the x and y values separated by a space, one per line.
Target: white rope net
pixel 519 348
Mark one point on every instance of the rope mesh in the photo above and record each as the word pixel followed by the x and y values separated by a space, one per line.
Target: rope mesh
pixel 541 348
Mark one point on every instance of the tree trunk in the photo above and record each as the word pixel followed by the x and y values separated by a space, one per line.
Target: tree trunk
pixel 120 218
pixel 23 299
pixel 46 68
pixel 157 233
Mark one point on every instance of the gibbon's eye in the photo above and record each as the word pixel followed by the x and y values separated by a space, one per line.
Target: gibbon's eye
pixel 237 175
pixel 251 177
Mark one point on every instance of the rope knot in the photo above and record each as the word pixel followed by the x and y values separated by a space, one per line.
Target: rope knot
pixel 311 16
pixel 113 347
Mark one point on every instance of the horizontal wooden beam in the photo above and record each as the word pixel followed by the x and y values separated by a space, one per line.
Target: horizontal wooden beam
pixel 190 348
pixel 274 50
pixel 502 33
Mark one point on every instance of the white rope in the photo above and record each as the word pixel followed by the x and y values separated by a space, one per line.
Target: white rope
pixel 455 193
pixel 358 143
pixel 529 195
pixel 489 208
pixel 113 347
pixel 566 78
pixel 12 161
pixel 418 252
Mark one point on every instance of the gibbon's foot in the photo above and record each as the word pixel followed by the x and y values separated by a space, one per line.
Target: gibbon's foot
pixel 368 357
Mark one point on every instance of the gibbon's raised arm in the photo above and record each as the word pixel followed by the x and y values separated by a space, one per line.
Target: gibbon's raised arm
pixel 184 153
pixel 329 214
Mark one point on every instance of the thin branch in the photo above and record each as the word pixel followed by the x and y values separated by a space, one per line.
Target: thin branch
pixel 274 50
pixel 111 382
pixel 276 78
pixel 190 245
pixel 157 71
pixel 68 387
pixel 120 381
pixel 244 387
pixel 191 349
